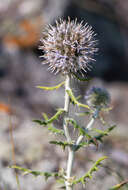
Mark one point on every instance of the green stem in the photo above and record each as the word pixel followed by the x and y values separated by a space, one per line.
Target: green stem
pixel 67 134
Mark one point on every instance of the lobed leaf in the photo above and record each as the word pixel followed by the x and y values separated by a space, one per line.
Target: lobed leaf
pixel 77 98
pixel 55 130
pixel 62 144
pixel 101 135
pixel 51 88
pixel 83 113
pixel 36 173
pixel 82 130
pixel 53 118
pixel 90 172
pixel 104 133
pixel 83 144
pixel 75 101
pixel 118 186
pixel 52 128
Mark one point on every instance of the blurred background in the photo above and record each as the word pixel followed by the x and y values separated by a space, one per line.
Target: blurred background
pixel 21 25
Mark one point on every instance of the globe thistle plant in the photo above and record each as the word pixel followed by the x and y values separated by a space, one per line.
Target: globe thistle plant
pixel 68 46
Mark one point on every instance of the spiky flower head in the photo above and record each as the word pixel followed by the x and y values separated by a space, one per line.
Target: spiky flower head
pixel 98 98
pixel 68 47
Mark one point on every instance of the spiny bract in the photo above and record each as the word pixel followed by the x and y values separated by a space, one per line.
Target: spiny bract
pixel 98 97
pixel 68 46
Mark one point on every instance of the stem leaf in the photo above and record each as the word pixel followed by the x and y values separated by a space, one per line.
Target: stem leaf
pixel 118 186
pixel 82 130
pixel 36 173
pixel 61 143
pixel 83 144
pixel 90 172
pixel 75 101
pixel 53 118
pixel 52 128
pixel 83 113
pixel 101 134
pixel 51 88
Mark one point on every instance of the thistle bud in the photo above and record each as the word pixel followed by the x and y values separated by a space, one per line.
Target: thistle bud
pixel 68 47
pixel 98 98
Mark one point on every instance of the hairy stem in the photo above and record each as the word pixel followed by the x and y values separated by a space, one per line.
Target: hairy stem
pixel 66 108
pixel 67 134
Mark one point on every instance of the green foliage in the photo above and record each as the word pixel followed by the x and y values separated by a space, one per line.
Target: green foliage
pixel 84 137
pixel 90 172
pixel 74 100
pixel 72 145
pixel 90 139
pixel 36 173
pixel 55 130
pixel 101 134
pixel 61 143
pixel 53 118
pixel 51 88
pixel 82 130
pixel 52 128
pixel 77 98
pixel 83 113
pixel 81 145
pixel 118 186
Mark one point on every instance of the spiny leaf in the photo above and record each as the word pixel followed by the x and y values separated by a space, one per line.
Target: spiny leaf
pixel 111 128
pixel 62 144
pixel 28 171
pixel 35 173
pixel 90 172
pixel 104 132
pixel 52 128
pixel 55 130
pixel 83 113
pixel 74 100
pixel 47 175
pixel 51 88
pixel 53 118
pixel 118 186
pixel 82 130
pixel 40 122
pixel 77 147
pixel 101 135
pixel 73 122
pixel 100 131
pixel 77 98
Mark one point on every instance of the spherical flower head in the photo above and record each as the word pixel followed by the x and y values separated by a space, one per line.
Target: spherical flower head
pixel 68 47
pixel 98 98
